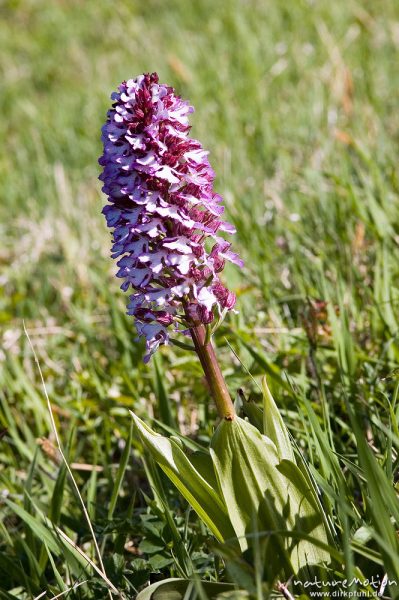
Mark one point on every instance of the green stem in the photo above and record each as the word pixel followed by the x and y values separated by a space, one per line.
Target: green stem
pixel 213 374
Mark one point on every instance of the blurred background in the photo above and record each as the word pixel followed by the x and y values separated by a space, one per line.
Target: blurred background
pixel 297 102
pixel 294 100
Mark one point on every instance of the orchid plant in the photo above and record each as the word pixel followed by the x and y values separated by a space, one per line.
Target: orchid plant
pixel 168 239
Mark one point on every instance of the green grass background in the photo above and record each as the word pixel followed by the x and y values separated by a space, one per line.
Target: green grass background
pixel 297 102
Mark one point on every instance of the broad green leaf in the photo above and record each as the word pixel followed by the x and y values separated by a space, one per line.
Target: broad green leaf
pixel 187 442
pixel 245 464
pixel 274 426
pixel 263 493
pixel 179 589
pixel 202 461
pixel 275 429
pixel 309 517
pixel 196 490
pixel 160 561
pixel 150 547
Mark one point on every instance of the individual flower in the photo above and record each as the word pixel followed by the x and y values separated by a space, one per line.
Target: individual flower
pixel 164 212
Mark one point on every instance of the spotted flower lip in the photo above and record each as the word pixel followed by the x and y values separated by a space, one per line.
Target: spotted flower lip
pixel 165 215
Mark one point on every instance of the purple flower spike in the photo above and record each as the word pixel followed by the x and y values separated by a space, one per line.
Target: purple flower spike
pixel 164 211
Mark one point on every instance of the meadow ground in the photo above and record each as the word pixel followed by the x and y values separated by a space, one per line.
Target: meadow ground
pixel 297 102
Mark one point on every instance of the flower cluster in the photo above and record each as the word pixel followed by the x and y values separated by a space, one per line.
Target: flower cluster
pixel 164 212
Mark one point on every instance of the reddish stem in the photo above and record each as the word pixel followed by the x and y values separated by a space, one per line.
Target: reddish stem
pixel 213 373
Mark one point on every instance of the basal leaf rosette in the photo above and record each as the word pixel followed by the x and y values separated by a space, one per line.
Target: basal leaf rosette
pixel 164 212
pixel 248 486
